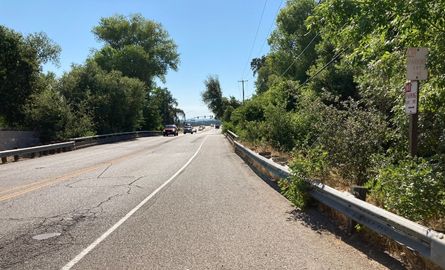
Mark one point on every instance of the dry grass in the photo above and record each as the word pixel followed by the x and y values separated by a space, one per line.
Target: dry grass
pixel 411 259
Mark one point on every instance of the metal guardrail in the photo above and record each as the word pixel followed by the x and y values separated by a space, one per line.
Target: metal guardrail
pixel 40 150
pixel 429 243
pixel 82 142
pixel 75 143
pixel 232 135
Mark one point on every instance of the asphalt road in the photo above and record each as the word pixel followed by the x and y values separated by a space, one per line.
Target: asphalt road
pixel 185 202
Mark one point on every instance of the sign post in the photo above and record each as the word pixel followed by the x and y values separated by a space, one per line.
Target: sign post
pixel 415 71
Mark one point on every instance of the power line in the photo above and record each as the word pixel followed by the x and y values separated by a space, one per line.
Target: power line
pixel 293 62
pixel 307 46
pixel 270 28
pixel 256 35
pixel 298 57
pixel 324 67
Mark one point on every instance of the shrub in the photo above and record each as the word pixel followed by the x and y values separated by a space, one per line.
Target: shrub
pixel 413 188
pixel 296 190
pixel 308 164
pixel 280 131
pixel 352 135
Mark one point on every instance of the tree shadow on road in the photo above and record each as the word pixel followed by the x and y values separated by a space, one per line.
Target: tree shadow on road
pixel 321 223
pixel 315 220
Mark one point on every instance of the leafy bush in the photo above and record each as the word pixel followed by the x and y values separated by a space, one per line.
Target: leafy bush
pixel 115 102
pixel 305 164
pixel 413 188
pixel 280 131
pixel 351 136
pixel 296 190
pixel 49 114
pixel 310 163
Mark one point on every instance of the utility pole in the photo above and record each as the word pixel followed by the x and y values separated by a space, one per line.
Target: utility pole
pixel 243 81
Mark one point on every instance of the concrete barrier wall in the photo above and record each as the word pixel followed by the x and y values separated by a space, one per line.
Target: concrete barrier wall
pixel 11 139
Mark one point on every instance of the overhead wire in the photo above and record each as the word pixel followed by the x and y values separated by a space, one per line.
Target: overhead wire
pixel 298 57
pixel 324 67
pixel 270 28
pixel 265 40
pixel 254 40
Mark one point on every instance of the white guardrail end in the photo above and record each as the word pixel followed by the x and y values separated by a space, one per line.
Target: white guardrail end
pixel 427 242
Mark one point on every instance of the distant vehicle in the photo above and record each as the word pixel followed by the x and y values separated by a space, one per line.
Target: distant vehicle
pixel 194 130
pixel 188 129
pixel 170 129
pixel 217 126
pixel 201 128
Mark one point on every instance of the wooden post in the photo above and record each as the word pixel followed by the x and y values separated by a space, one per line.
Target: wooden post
pixel 413 124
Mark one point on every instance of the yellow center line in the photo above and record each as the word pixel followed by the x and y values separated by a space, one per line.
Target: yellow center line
pixel 15 192
pixel 20 190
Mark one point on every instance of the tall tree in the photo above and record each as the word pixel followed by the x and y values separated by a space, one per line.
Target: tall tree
pixel 137 47
pixel 20 60
pixel 167 105
pixel 212 96
pixel 293 47
pixel 114 101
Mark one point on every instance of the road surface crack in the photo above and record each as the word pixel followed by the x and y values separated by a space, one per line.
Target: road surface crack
pixel 106 169
pixel 130 185
pixel 23 248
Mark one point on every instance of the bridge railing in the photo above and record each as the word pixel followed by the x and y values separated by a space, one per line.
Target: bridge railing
pixel 37 150
pixel 82 142
pixel 74 143
pixel 427 242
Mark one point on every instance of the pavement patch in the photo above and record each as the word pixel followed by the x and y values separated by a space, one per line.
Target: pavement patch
pixel 45 236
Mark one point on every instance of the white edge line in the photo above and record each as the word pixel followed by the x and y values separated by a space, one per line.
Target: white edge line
pixel 87 250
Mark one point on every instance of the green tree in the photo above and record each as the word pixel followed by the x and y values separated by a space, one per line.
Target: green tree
pixel 229 105
pixel 114 101
pixel 137 47
pixel 292 39
pixel 141 49
pixel 49 113
pixel 20 60
pixel 212 96
pixel 293 47
pixel 167 106
pixel 46 49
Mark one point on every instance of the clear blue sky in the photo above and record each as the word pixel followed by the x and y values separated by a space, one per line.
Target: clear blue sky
pixel 213 37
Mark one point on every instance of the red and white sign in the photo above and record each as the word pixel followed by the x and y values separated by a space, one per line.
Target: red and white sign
pixel 411 97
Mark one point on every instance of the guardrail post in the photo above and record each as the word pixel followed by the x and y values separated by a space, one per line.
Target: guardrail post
pixel 4 159
pixel 360 193
pixel 438 250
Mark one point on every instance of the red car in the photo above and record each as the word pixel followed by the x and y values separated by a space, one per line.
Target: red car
pixel 170 129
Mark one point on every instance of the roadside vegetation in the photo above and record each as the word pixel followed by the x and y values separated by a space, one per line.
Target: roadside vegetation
pixel 330 94
pixel 113 91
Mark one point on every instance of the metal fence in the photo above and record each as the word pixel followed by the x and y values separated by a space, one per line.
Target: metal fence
pixel 425 241
pixel 82 142
pixel 36 150
pixel 74 143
